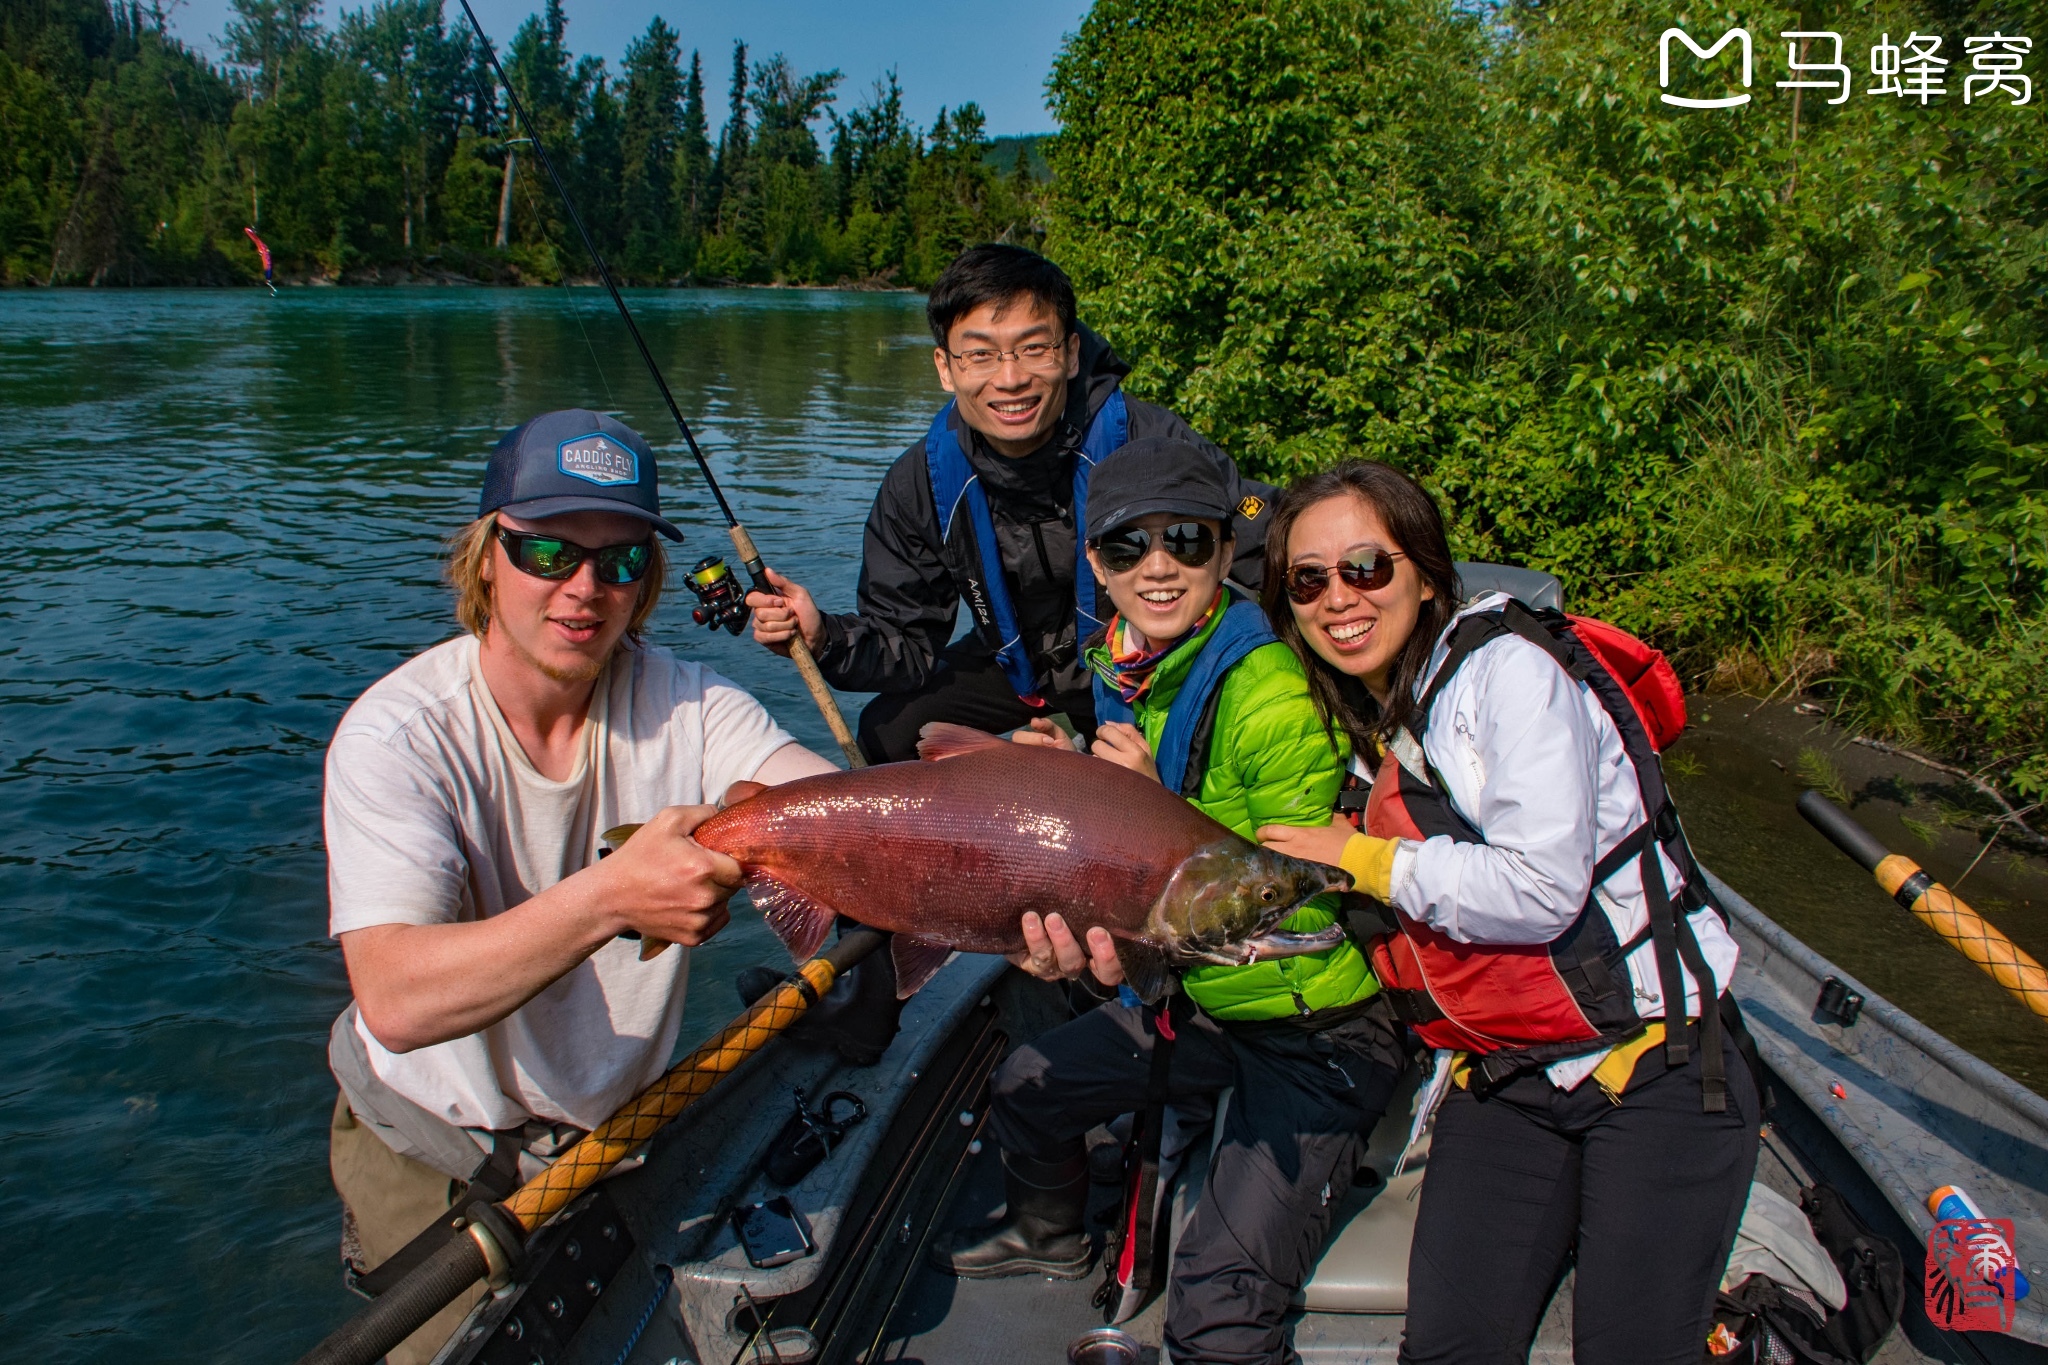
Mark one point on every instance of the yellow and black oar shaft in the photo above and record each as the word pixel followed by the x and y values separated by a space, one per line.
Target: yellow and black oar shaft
pixel 1933 904
pixel 480 1250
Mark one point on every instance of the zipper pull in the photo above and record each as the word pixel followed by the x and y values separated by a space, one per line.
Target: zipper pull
pixel 1301 1004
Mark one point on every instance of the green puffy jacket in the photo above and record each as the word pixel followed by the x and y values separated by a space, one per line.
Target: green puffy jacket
pixel 1270 762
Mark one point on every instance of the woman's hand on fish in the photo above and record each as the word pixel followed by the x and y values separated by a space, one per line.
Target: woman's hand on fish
pixel 1315 843
pixel 1125 746
pixel 778 615
pixel 666 884
pixel 1052 953
pixel 1042 733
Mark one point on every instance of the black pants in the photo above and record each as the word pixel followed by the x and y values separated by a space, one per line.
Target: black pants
pixel 1292 1140
pixel 968 688
pixel 1651 1191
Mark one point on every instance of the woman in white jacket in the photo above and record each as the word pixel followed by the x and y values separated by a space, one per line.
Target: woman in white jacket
pixel 1501 830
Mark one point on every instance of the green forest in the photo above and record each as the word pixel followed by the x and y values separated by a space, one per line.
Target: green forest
pixel 383 148
pixel 1765 384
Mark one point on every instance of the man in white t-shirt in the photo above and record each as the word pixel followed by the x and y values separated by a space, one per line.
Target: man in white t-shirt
pixel 498 1012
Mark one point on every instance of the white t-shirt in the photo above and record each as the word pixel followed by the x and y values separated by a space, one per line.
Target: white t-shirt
pixel 1530 759
pixel 435 815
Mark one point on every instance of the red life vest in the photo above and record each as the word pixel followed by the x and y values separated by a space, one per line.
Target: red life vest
pixel 1514 1006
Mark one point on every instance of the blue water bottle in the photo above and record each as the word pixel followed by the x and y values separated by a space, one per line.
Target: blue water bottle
pixel 1949 1203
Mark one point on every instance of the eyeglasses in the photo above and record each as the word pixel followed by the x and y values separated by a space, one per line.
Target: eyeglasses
pixel 1306 583
pixel 1190 542
pixel 1032 355
pixel 553 557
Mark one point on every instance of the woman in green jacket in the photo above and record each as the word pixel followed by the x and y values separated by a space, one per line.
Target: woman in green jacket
pixel 1219 710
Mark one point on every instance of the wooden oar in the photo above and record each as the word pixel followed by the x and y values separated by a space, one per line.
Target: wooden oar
pixel 1933 904
pixel 489 1246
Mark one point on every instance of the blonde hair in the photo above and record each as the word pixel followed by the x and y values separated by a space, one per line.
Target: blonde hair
pixel 470 548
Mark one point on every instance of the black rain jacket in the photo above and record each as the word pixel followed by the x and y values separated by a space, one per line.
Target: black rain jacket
pixel 912 583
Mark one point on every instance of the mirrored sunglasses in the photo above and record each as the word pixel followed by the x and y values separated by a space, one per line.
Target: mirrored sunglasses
pixel 555 558
pixel 1190 542
pixel 1363 572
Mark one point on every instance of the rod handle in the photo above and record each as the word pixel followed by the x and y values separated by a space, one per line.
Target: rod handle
pixel 1842 830
pixel 853 945
pixel 405 1307
pixel 800 655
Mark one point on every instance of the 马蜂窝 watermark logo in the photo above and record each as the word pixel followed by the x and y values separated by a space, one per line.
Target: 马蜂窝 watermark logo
pixel 1706 54
pixel 599 459
pixel 1910 69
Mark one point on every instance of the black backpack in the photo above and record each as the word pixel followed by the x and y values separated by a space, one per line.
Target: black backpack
pixel 1871 1267
pixel 1772 1326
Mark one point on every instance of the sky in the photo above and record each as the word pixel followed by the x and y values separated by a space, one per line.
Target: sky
pixel 944 54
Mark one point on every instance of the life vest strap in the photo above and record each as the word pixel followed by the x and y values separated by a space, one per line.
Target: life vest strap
pixel 957 488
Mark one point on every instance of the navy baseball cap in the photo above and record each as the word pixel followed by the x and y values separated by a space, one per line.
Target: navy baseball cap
pixel 574 460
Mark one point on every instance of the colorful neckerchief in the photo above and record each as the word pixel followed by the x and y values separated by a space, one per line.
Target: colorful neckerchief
pixel 1126 667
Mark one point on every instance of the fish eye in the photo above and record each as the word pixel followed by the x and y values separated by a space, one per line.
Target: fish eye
pixel 1269 893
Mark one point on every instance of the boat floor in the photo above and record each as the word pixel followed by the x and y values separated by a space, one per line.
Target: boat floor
pixel 944 1321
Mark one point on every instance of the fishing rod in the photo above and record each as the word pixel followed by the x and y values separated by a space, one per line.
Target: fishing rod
pixel 490 1241
pixel 710 580
pixel 1933 904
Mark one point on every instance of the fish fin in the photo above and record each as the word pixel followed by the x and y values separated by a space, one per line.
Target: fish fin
pixel 800 922
pixel 618 834
pixel 941 739
pixel 917 961
pixel 1145 970
pixel 651 948
pixel 741 791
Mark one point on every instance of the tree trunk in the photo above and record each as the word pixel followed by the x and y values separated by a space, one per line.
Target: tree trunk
pixel 505 200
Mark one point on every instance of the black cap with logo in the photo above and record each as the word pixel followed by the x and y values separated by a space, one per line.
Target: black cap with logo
pixel 574 460
pixel 1161 474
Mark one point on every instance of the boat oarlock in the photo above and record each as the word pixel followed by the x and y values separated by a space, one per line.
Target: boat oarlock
pixel 743 544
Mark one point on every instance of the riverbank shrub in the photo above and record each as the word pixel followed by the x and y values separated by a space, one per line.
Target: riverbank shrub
pixel 1772 395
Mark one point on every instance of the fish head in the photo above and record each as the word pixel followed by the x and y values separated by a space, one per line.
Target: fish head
pixel 1228 892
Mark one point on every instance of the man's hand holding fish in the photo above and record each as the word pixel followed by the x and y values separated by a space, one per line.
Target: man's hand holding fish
pixel 1052 953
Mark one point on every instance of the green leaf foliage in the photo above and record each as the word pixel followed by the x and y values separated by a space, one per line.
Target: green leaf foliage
pixel 1772 396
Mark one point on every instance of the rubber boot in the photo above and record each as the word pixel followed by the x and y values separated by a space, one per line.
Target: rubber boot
pixel 1040 1233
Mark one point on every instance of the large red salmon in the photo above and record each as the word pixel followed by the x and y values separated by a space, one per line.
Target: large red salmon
pixel 949 852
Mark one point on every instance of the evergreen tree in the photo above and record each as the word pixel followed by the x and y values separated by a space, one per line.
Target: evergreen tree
pixel 385 145
pixel 874 154
pixel 732 142
pixel 415 71
pixel 693 159
pixel 537 64
pixel 264 34
pixel 596 162
pixel 651 140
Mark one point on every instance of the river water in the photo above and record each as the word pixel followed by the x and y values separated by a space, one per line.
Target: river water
pixel 224 511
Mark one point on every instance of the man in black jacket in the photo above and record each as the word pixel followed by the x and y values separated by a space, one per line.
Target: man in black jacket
pixel 1036 401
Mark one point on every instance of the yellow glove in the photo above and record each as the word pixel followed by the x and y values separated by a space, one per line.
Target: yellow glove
pixel 1370 862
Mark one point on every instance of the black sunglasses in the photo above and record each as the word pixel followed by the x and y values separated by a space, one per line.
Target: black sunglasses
pixel 1190 542
pixel 553 557
pixel 1373 569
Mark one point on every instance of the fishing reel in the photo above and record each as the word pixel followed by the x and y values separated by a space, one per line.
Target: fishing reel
pixel 721 601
